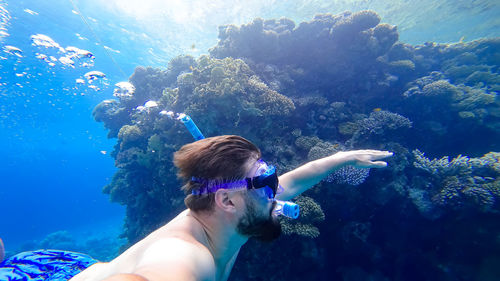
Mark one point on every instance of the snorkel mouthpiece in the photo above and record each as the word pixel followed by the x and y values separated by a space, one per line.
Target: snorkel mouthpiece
pixel 287 209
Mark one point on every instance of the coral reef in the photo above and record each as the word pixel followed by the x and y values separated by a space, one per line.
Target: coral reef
pixel 112 115
pixel 462 183
pixel 310 213
pixel 348 175
pixel 302 92
pixel 380 127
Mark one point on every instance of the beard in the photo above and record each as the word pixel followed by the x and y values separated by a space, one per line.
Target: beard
pixel 262 228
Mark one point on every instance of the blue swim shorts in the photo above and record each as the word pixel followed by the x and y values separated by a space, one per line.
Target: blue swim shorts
pixel 44 265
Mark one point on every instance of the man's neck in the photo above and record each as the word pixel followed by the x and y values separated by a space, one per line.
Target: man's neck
pixel 221 238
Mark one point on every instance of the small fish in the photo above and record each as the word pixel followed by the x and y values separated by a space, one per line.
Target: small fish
pixel 103 152
pixel 193 46
pixel 462 39
pixel 377 109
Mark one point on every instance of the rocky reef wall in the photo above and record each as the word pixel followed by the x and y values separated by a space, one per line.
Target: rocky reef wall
pixel 302 92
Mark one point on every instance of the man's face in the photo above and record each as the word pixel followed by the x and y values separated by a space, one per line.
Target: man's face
pixel 258 221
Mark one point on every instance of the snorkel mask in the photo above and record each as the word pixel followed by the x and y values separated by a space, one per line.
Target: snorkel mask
pixel 265 179
pixel 265 182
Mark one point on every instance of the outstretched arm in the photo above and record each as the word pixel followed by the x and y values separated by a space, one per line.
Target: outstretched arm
pixel 304 177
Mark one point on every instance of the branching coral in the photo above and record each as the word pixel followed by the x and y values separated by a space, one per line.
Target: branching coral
pixel 306 143
pixel 466 83
pixel 380 121
pixel 431 93
pixel 379 127
pixel 443 166
pixel 319 149
pixel 348 175
pixel 430 86
pixel 462 182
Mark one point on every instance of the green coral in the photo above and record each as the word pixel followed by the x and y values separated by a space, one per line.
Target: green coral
pixel 475 98
pixel 460 72
pixel 224 91
pixel 129 135
pixel 348 128
pixel 484 77
pixel 462 182
pixel 306 142
pixel 479 105
pixel 402 66
pixel 354 23
pixel 440 88
pixel 490 160
pixel 310 213
pixel 322 149
pixel 273 103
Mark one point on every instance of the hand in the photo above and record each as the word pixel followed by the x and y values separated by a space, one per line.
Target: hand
pixel 364 158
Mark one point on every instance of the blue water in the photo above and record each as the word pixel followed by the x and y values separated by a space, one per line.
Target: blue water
pixel 55 157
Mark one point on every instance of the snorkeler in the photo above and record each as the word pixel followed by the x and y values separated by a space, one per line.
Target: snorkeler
pixel 231 194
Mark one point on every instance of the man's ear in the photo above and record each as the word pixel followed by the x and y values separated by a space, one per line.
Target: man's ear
pixel 223 200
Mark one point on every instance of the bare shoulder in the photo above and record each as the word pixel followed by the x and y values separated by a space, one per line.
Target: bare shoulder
pixel 94 272
pixel 172 258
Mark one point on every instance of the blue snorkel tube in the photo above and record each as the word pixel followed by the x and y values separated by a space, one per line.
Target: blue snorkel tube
pixel 191 126
pixel 283 208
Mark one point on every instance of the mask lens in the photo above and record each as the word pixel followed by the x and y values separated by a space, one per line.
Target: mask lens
pixel 268 181
pixel 269 192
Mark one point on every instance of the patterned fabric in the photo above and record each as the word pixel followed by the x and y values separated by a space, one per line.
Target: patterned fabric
pixel 52 265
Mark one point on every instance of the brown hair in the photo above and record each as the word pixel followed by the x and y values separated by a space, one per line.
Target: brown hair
pixel 221 158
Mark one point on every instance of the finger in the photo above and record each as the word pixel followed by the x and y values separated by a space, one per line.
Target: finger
pixel 379 164
pixel 386 154
pixel 382 154
pixel 376 152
